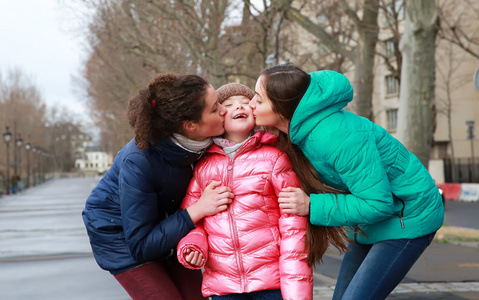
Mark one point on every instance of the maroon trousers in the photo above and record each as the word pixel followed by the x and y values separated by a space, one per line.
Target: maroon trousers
pixel 167 280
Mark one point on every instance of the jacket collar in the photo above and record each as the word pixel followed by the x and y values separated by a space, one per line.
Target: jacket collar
pixel 259 137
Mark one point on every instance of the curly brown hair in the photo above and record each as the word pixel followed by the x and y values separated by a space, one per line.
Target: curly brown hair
pixel 159 109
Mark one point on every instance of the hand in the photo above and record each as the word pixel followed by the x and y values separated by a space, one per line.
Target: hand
pixel 215 199
pixel 294 201
pixel 194 258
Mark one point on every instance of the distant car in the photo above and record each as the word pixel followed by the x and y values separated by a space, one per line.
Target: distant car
pixel 443 197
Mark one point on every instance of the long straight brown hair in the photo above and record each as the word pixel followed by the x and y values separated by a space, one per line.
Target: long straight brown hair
pixel 318 238
pixel 285 85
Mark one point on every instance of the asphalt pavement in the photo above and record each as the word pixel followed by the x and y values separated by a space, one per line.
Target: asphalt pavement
pixel 45 254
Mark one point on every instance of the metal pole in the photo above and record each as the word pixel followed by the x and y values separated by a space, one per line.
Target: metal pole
pixel 18 144
pixel 7 136
pixel 14 149
pixel 28 146
pixel 8 171
pixel 473 162
pixel 471 136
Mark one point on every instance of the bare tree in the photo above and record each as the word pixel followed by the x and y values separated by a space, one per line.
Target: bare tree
pixel 23 110
pixel 393 14
pixel 417 109
pixel 130 41
pixel 449 80
pixel 22 103
pixel 64 135
pixel 361 51
pixel 111 74
pixel 456 27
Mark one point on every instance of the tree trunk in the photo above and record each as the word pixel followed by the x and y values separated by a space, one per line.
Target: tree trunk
pixel 363 54
pixel 417 111
pixel 368 30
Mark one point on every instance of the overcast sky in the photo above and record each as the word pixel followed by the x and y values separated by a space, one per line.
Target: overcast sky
pixel 35 38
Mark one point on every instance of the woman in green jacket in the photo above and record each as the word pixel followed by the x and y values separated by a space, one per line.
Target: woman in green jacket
pixel 379 186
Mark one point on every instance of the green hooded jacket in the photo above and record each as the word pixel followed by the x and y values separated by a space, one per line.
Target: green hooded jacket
pixel 391 195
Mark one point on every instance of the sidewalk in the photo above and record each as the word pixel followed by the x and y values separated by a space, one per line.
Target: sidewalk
pixel 441 290
pixel 428 279
pixel 44 244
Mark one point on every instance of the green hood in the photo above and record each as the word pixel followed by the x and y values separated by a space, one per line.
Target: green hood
pixel 327 93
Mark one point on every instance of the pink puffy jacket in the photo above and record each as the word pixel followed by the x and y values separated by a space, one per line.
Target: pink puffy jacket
pixel 251 246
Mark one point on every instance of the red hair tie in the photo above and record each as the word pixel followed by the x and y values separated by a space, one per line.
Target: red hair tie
pixel 153 103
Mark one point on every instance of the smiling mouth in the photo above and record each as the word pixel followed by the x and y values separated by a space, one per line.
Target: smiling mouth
pixel 240 116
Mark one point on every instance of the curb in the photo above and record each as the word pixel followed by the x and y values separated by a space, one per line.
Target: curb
pixel 458 232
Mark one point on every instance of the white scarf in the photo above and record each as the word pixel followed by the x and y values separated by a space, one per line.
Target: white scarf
pixel 228 146
pixel 189 144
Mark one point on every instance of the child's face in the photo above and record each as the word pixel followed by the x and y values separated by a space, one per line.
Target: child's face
pixel 239 116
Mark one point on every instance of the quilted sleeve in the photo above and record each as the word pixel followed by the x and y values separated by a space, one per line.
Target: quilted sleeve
pixel 146 238
pixel 356 160
pixel 296 274
pixel 193 193
pixel 194 240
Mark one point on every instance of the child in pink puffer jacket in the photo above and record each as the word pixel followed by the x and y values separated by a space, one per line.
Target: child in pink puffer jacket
pixel 252 249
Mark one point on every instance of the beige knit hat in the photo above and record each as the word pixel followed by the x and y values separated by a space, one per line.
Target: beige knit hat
pixel 233 89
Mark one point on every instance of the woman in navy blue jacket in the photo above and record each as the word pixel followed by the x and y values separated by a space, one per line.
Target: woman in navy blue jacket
pixel 133 215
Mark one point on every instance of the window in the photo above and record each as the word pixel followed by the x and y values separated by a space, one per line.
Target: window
pixel 391 85
pixel 392 116
pixel 390 48
pixel 395 11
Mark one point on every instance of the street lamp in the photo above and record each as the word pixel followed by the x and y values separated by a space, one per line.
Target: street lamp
pixel 34 150
pixel 7 137
pixel 471 135
pixel 28 146
pixel 19 143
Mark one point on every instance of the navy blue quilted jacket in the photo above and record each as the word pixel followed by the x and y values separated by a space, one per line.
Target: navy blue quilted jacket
pixel 133 215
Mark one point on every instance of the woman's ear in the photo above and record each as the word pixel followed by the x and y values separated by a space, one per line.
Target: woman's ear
pixel 189 126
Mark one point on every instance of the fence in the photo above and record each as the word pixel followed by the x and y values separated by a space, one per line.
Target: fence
pixel 466 171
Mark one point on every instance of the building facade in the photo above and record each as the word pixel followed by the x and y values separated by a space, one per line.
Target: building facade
pixel 455 152
pixel 94 161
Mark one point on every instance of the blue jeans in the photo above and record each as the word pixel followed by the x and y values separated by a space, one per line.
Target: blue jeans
pixel 259 295
pixel 373 271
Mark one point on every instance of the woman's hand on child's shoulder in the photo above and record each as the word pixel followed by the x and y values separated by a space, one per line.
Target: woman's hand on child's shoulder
pixel 293 200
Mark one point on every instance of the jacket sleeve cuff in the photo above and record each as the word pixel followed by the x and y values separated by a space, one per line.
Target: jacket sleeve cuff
pixel 194 241
pixel 187 218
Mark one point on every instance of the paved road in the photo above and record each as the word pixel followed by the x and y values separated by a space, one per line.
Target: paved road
pixel 462 214
pixel 448 269
pixel 45 254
